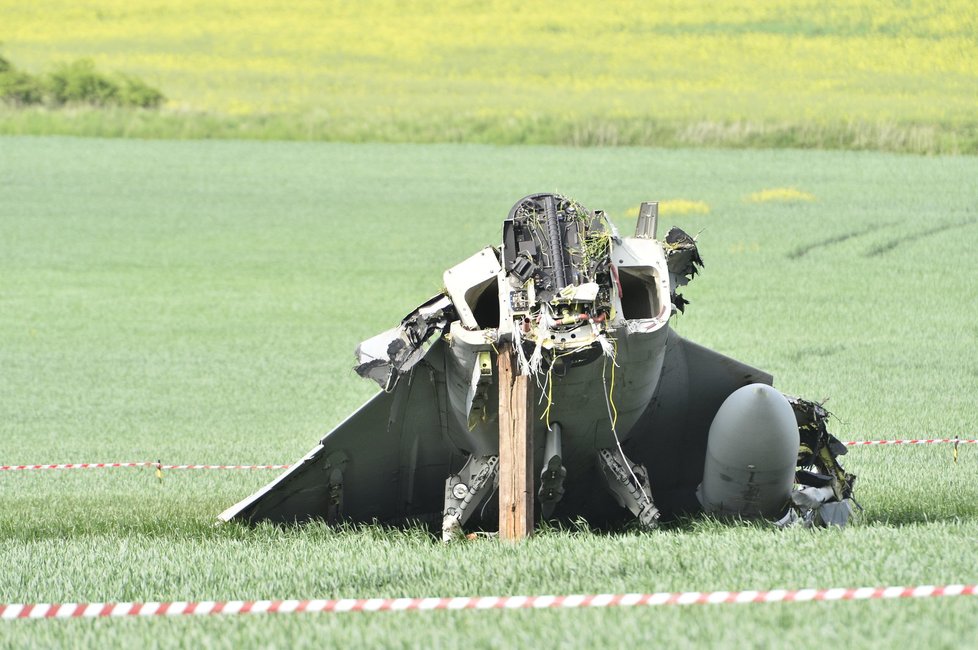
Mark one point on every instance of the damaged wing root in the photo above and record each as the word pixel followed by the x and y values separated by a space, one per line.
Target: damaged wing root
pixel 387 356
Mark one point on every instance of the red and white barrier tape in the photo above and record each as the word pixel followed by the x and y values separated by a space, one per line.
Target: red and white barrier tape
pixel 10 468
pixel 931 441
pixel 100 610
pixel 141 464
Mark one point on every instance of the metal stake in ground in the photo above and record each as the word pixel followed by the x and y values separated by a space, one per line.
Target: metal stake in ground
pixel 515 449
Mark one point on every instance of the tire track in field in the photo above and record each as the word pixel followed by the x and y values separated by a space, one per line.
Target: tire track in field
pixel 887 246
pixel 801 251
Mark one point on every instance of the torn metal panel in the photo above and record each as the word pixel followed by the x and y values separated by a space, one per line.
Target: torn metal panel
pixel 684 263
pixel 683 255
pixel 836 513
pixel 816 507
pixel 823 494
pixel 387 356
pixel 819 449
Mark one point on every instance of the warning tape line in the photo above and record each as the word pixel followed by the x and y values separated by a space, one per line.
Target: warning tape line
pixel 101 610
pixel 932 441
pixel 142 464
pixel 11 468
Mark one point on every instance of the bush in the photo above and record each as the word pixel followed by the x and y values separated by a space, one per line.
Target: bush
pixel 134 92
pixel 75 83
pixel 19 88
pixel 79 83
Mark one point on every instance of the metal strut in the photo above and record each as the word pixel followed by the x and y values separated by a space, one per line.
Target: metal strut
pixel 629 483
pixel 465 491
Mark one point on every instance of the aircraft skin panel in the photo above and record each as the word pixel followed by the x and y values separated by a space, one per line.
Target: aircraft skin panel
pixel 391 444
pixel 670 437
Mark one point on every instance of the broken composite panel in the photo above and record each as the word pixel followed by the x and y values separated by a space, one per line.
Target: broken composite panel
pixel 635 421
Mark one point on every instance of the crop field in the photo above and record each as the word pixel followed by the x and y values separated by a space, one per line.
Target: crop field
pixel 885 75
pixel 199 302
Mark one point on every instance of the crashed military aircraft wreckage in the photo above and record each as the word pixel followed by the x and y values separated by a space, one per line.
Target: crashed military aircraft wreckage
pixel 637 422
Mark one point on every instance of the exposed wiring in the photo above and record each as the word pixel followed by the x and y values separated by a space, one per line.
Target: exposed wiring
pixel 548 393
pixel 610 392
pixel 521 360
pixel 613 415
pixel 548 386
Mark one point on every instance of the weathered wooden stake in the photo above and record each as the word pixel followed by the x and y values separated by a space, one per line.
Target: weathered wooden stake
pixel 515 449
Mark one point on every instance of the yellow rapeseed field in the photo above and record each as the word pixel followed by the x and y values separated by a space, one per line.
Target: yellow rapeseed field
pixel 600 71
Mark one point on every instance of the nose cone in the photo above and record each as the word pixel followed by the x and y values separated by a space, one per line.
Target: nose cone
pixel 751 454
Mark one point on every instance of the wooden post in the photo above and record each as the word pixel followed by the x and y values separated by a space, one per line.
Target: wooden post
pixel 515 449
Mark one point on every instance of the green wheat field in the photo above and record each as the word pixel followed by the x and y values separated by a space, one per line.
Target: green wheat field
pixel 199 302
pixel 188 285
